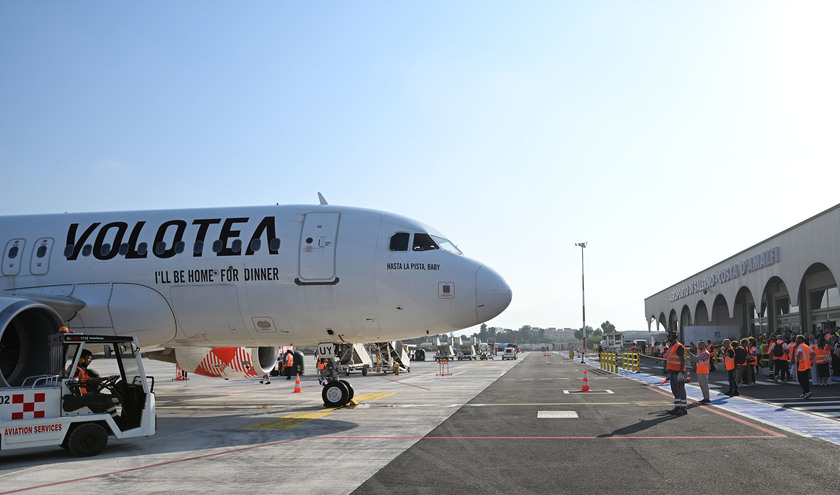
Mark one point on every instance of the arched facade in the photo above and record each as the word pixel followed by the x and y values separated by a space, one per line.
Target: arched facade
pixel 787 282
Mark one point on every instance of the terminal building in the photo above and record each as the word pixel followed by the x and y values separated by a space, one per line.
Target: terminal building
pixel 787 282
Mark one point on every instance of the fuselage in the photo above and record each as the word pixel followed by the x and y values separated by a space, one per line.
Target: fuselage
pixel 247 276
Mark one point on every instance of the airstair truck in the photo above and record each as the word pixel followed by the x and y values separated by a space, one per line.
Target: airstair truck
pixel 56 409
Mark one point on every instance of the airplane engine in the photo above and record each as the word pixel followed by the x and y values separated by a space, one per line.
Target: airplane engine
pixel 25 328
pixel 227 362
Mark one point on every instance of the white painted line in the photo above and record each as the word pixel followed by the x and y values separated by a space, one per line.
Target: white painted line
pixel 557 415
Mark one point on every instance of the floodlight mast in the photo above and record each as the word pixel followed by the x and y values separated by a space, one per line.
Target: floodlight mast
pixel 583 298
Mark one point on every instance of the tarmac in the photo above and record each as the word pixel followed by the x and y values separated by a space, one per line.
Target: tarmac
pixel 493 426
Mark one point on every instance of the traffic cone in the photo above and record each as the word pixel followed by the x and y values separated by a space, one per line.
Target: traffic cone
pixel 687 375
pixel 297 386
pixel 585 387
pixel 179 374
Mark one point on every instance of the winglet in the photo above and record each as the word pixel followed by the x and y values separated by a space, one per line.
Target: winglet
pixel 321 199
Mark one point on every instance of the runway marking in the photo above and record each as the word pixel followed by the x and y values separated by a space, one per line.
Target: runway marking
pixel 557 415
pixel 297 419
pixel 594 392
pixel 374 396
pixel 728 416
pixel 407 384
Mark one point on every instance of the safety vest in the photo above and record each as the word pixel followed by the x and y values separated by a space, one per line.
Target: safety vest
pixel 703 363
pixel 753 355
pixel 805 361
pixel 83 377
pixel 784 356
pixel 791 350
pixel 673 361
pixel 729 361
pixel 290 360
pixel 822 355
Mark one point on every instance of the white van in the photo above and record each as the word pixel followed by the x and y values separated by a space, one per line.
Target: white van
pixel 510 353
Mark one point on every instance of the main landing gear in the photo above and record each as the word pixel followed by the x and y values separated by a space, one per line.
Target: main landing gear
pixel 336 392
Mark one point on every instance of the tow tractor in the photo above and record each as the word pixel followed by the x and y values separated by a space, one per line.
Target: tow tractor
pixel 56 409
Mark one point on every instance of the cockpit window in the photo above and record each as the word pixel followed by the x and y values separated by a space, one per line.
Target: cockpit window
pixel 399 241
pixel 446 245
pixel 424 242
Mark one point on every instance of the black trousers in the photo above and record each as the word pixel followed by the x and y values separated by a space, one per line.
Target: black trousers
pixel 804 380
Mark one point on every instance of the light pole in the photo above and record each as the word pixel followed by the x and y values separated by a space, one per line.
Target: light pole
pixel 582 298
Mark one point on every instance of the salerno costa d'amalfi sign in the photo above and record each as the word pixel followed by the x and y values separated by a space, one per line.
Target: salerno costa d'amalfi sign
pixel 749 265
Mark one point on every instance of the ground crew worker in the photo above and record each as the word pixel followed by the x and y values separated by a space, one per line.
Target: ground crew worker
pixel 804 355
pixel 822 357
pixel 675 364
pixel 712 355
pixel 778 353
pixel 729 364
pixel 752 360
pixel 701 364
pixel 91 377
pixel 289 364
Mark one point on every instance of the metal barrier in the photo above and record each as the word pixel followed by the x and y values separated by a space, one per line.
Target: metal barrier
pixel 613 361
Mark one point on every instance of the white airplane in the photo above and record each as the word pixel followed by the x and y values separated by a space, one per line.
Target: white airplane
pixel 253 277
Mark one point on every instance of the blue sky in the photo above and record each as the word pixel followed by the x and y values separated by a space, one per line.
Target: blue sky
pixel 668 135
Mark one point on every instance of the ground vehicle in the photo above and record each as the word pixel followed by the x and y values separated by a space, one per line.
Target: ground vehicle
pixel 52 408
pixel 510 353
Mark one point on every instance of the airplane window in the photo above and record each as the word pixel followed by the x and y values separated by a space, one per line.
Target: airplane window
pixel 399 241
pixel 160 248
pixel 274 245
pixel 105 249
pixel 42 251
pixel 446 245
pixel 255 245
pixel 424 242
pixel 198 247
pixel 87 250
pixel 180 246
pixel 236 246
pixel 142 248
pixel 68 251
pixel 13 252
pixel 217 246
pixel 123 249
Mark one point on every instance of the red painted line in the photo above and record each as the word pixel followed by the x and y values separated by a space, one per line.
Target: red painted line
pixel 729 416
pixel 602 437
pixel 150 466
pixel 407 384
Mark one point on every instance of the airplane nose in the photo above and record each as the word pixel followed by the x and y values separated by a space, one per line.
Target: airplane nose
pixel 492 294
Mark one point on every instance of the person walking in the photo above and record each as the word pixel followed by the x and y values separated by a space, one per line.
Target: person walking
pixel 701 366
pixel 675 365
pixel 803 356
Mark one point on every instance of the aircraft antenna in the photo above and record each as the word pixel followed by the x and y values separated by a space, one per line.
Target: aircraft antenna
pixel 321 199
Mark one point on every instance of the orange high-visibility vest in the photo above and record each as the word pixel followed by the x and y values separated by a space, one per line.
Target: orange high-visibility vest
pixel 673 361
pixel 703 363
pixel 729 361
pixel 752 357
pixel 784 356
pixel 805 361
pixel 822 355
pixel 290 360
pixel 83 377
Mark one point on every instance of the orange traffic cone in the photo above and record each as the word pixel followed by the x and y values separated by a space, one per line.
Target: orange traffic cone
pixel 585 387
pixel 179 374
pixel 687 375
pixel 297 386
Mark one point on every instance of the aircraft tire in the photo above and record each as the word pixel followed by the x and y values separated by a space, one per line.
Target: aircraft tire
pixel 350 390
pixel 335 394
pixel 87 439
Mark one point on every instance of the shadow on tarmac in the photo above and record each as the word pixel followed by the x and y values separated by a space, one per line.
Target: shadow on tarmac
pixel 639 427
